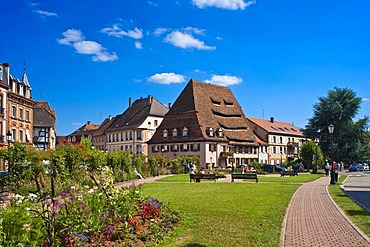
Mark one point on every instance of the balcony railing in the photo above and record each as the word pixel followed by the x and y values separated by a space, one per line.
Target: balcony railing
pixel 227 154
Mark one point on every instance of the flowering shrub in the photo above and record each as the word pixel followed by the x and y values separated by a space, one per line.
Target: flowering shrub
pixel 86 216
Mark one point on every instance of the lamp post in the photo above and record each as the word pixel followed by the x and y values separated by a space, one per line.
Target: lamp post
pixel 8 138
pixel 332 175
pixel 317 141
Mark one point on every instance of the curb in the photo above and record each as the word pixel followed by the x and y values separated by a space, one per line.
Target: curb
pixel 345 216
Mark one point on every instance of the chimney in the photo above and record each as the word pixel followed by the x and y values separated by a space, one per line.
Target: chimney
pixel 110 117
pixel 150 99
pixel 6 73
pixel 272 119
pixel 88 122
pixel 130 102
pixel 169 105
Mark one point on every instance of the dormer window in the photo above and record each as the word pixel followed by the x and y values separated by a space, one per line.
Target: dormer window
pixel 219 132
pixel 174 133
pixel 210 132
pixel 165 133
pixel 185 131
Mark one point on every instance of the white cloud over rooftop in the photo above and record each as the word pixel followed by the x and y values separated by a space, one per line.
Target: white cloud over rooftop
pixel 167 78
pixel 224 80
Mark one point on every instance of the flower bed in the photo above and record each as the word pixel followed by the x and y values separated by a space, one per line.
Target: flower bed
pixel 85 216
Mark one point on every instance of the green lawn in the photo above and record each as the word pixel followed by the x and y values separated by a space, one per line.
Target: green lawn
pixel 227 214
pixel 358 215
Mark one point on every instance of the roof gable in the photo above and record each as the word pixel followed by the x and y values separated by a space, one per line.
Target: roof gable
pixel 272 126
pixel 206 106
pixel 135 115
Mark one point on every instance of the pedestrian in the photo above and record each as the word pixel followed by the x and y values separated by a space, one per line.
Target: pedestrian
pixel 327 167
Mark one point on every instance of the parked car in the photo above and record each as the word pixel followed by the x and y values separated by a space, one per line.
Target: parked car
pixel 356 168
pixel 366 167
pixel 271 168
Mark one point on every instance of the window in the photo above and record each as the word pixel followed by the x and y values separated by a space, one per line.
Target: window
pixel 281 139
pixel 274 139
pixel 274 150
pixel 174 133
pixel 28 136
pixel 14 111
pixel 219 132
pixel 185 147
pixel 89 137
pixel 185 131
pixel 20 113
pixel 138 135
pixel 281 150
pixel 27 115
pixel 14 134
pixel 165 133
pixel 155 123
pixel 210 132
pixel 20 135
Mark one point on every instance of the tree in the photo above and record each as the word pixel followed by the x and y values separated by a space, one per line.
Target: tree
pixel 311 155
pixel 350 141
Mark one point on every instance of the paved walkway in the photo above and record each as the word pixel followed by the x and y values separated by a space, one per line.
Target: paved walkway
pixel 137 182
pixel 313 219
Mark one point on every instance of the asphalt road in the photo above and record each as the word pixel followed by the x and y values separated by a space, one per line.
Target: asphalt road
pixel 357 186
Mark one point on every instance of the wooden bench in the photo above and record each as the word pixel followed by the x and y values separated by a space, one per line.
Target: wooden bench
pixel 244 176
pixel 198 177
pixel 290 173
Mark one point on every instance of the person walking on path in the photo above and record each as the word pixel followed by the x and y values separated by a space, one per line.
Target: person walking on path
pixel 327 167
pixel 313 219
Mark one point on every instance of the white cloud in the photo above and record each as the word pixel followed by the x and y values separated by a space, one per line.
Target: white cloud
pixel 118 32
pixel 223 4
pixel 152 3
pixel 138 45
pixel 75 39
pixel 186 41
pixel 167 78
pixel 365 99
pixel 45 13
pixel 224 80
pixel 71 36
pixel 159 31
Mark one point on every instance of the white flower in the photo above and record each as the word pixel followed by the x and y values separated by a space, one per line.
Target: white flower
pixel 91 191
pixel 32 196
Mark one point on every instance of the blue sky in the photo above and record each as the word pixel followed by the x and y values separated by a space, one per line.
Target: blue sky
pixel 86 58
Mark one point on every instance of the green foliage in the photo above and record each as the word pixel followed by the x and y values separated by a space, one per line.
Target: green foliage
pixel 350 139
pixel 18 224
pixel 311 154
pixel 86 216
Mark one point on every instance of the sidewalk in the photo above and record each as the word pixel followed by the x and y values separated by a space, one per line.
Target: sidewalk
pixel 137 182
pixel 313 219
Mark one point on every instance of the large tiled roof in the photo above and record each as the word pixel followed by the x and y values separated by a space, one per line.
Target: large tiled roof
pixel 201 106
pixel 43 115
pixel 273 126
pixel 104 125
pixel 135 115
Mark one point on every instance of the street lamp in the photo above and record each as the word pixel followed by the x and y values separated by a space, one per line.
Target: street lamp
pixel 8 137
pixel 317 141
pixel 332 175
